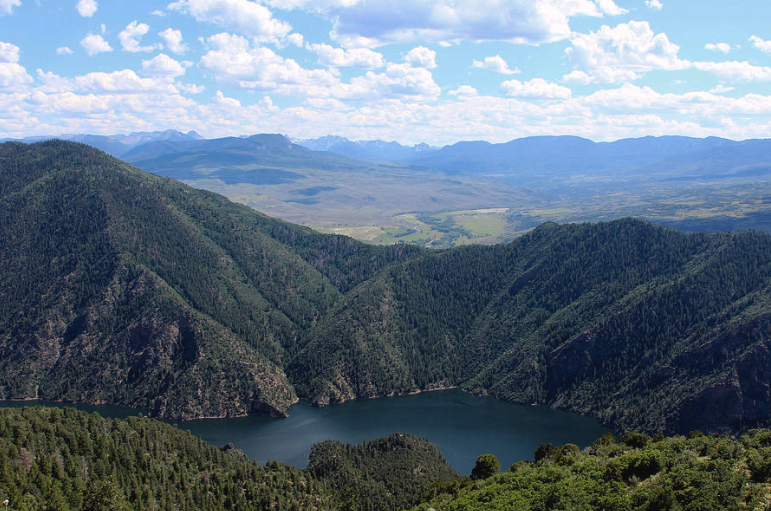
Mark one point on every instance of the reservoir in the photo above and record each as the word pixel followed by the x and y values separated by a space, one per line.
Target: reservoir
pixel 461 425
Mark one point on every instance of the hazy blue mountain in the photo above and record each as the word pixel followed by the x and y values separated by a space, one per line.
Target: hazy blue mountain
pixel 554 156
pixel 260 159
pixel 117 145
pixel 369 150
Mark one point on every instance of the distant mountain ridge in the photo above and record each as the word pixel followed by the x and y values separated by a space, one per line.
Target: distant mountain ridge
pixel 369 150
pixel 117 145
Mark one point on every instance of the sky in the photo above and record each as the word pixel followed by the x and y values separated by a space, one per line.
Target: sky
pixel 433 71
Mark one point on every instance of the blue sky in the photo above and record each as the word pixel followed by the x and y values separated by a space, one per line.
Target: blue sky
pixel 435 71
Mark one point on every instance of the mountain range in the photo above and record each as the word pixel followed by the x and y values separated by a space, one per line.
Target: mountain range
pixel 118 145
pixel 119 286
pixel 668 157
pixel 471 191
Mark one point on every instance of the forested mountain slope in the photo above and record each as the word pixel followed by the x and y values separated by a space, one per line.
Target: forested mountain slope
pixel 640 325
pixel 123 287
pixel 119 286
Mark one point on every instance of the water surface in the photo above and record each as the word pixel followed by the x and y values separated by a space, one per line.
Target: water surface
pixel 461 425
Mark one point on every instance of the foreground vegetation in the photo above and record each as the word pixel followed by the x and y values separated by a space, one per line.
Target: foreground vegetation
pixel 64 459
pixel 69 460
pixel 637 473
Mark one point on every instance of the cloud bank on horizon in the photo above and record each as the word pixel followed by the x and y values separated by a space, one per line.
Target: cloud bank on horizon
pixel 434 71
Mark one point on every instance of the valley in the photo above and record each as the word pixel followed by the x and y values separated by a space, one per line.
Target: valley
pixel 178 301
pixel 441 197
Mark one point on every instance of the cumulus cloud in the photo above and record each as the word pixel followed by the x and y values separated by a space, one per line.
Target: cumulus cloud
pixel 339 57
pixel 656 5
pixel 760 44
pixel 125 81
pixel 495 63
pixel 401 81
pixel 132 35
pixel 95 43
pixel 162 65
pixel 537 88
pixel 242 16
pixel 87 8
pixel 622 53
pixel 724 48
pixel 6 6
pixel 233 60
pixel 12 74
pixel 735 71
pixel 421 56
pixel 191 88
pixel 464 91
pixel 63 50
pixel 362 23
pixel 721 89
pixel 626 52
pixel 173 40
pixel 295 39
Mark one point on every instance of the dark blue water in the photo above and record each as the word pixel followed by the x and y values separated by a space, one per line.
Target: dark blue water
pixel 461 425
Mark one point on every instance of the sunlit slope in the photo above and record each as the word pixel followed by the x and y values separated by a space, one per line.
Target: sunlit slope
pixel 640 325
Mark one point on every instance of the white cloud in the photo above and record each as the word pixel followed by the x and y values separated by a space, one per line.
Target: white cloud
pixel 464 91
pixel 656 5
pixel 63 50
pixel 234 61
pixel 162 65
pixel 399 81
pixel 191 88
pixel 6 6
pixel 338 57
pixel 97 104
pixel 125 81
pixel 537 88
pixel 609 7
pixel 12 74
pixel 87 8
pixel 295 39
pixel 760 44
pixel 735 71
pixel 606 74
pixel 495 63
pixel 626 52
pixel 158 13
pixel 243 16
pixel 420 56
pixel 132 34
pixel 721 89
pixel 173 40
pixel 724 48
pixel 53 82
pixel 621 53
pixel 95 43
pixel 369 23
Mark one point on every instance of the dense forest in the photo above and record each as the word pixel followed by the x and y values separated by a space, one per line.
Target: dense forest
pixel 65 459
pixel 119 286
pixel 382 474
